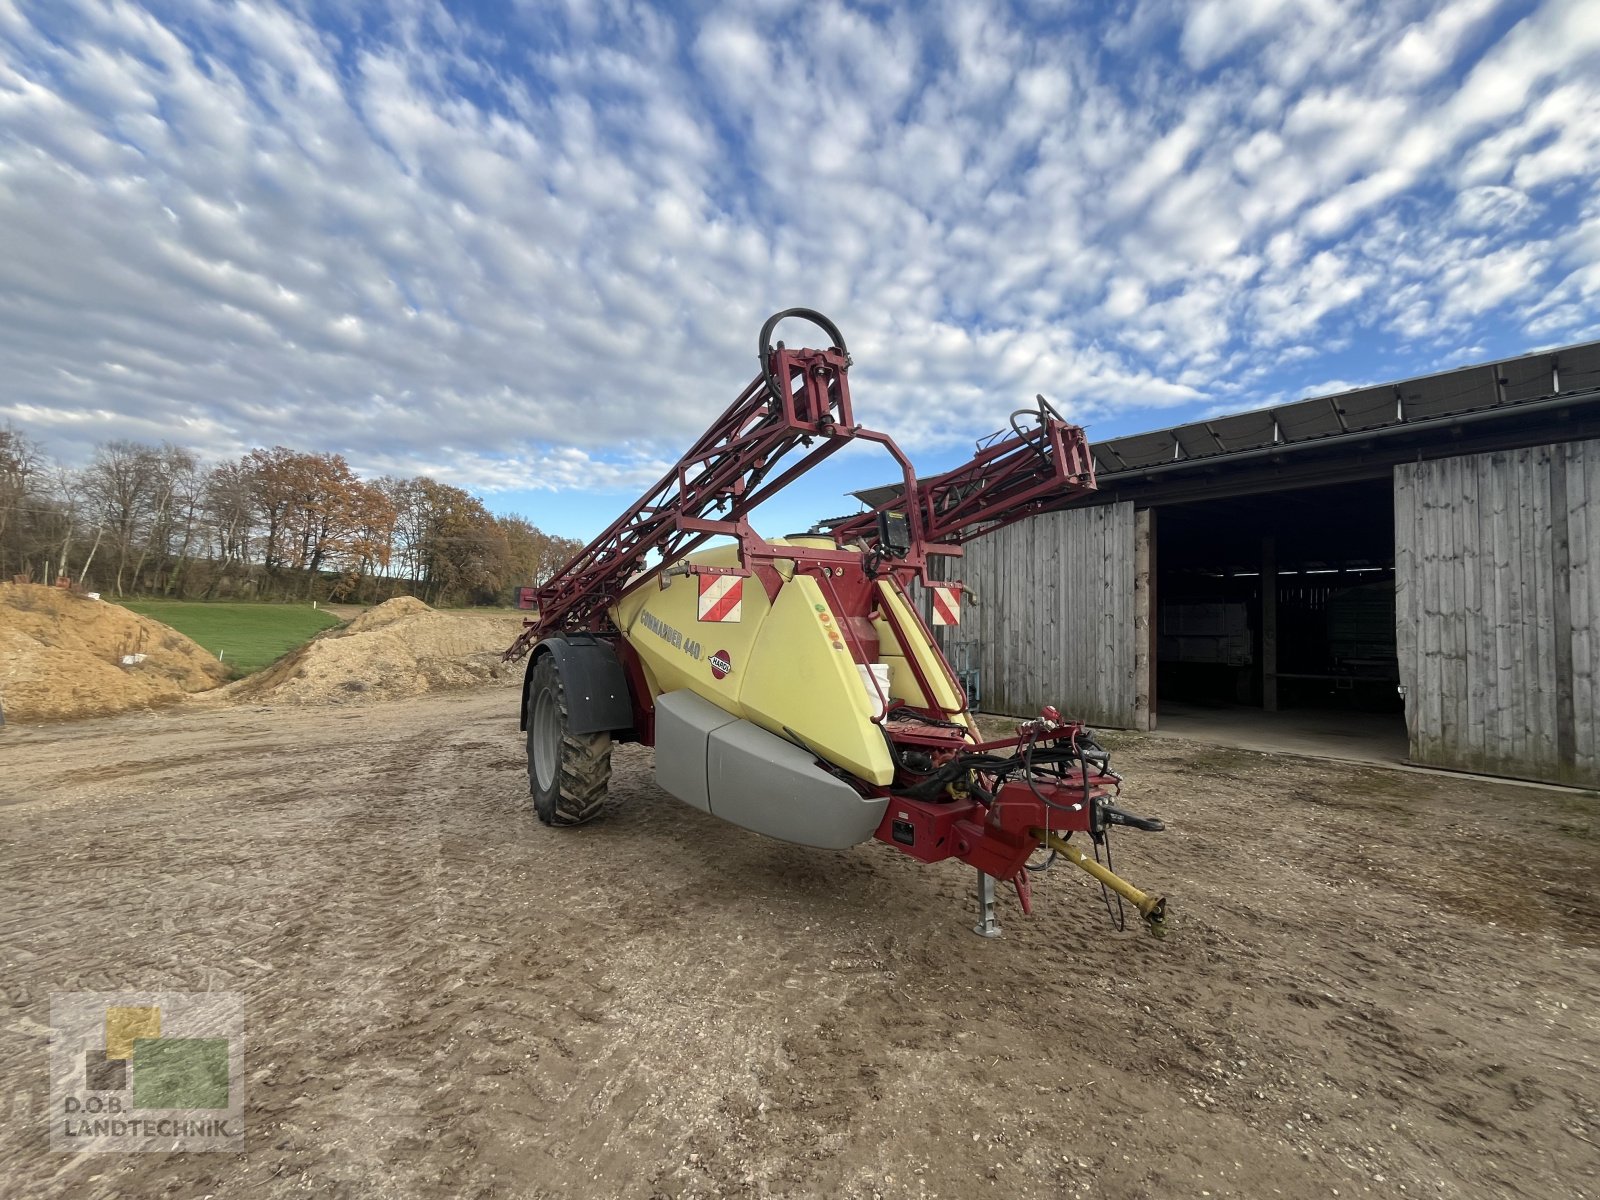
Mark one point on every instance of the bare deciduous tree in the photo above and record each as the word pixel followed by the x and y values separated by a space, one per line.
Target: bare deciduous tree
pixel 273 523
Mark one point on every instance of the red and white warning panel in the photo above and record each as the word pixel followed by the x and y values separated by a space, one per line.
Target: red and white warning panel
pixel 946 605
pixel 721 597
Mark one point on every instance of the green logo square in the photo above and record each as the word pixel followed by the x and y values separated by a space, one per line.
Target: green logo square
pixel 180 1073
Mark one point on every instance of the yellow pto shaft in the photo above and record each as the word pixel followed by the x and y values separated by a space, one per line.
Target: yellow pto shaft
pixel 1152 908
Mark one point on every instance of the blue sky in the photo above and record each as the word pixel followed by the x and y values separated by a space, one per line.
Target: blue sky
pixel 526 248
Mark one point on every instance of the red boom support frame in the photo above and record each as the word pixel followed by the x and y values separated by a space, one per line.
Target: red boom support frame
pixel 800 397
pixel 1010 477
pixel 726 471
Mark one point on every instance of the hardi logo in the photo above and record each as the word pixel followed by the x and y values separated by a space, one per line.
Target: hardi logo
pixel 721 664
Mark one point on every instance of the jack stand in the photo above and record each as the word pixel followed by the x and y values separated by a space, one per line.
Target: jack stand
pixel 987 926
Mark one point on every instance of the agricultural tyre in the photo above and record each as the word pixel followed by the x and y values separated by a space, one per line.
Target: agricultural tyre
pixel 567 772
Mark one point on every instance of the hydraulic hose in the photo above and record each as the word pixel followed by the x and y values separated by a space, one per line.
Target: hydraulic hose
pixel 764 343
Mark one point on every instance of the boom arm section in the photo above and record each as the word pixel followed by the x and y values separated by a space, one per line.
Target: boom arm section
pixel 1041 463
pixel 799 397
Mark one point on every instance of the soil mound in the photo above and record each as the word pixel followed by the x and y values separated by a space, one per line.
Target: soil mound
pixel 399 649
pixel 62 656
pixel 387 613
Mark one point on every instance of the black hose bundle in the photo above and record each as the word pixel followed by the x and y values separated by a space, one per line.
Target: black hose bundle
pixel 1031 762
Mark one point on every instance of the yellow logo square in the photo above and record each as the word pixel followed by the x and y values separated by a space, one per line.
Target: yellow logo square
pixel 124 1025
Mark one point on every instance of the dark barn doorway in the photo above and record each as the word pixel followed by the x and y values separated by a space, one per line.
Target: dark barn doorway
pixel 1281 603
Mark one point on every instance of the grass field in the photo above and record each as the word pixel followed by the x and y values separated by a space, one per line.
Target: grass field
pixel 249 635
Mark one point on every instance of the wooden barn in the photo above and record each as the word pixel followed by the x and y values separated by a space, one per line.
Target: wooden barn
pixel 1416 564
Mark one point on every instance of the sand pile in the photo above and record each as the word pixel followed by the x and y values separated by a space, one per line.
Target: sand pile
pixel 61 657
pixel 387 613
pixel 400 648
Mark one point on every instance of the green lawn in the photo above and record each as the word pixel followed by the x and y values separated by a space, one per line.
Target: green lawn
pixel 249 635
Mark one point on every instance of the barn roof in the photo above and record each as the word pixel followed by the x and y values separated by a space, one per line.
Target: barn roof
pixel 1495 391
pixel 1487 386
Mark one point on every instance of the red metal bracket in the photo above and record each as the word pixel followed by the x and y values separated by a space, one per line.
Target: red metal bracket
pixel 1027 471
pixel 1024 886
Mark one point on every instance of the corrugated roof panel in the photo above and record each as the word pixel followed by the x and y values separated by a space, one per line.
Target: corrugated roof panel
pixel 1196 442
pixel 874 496
pixel 1104 461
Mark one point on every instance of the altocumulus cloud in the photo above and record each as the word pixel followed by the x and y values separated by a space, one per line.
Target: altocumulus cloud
pixel 530 248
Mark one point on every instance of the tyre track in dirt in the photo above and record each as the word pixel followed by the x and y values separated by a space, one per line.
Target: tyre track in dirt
pixel 446 999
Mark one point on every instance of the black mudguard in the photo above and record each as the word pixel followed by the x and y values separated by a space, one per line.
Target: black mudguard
pixel 595 684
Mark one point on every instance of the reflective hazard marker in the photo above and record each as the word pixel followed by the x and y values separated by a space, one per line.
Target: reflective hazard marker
pixel 946 606
pixel 721 597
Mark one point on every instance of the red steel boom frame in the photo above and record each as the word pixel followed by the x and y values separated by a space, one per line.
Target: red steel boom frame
pixel 801 396
pixel 1010 477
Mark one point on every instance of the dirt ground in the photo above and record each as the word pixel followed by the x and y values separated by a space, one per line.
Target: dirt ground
pixel 1375 983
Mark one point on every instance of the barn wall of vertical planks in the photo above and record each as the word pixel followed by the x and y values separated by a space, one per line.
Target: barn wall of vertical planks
pixel 1058 616
pixel 1497 578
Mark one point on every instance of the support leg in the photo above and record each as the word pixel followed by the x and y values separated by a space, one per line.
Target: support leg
pixel 987 926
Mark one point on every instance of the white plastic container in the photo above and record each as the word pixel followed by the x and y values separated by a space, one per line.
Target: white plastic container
pixel 875 678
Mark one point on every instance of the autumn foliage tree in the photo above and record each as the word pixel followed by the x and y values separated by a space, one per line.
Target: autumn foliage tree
pixel 532 555
pixel 462 549
pixel 275 523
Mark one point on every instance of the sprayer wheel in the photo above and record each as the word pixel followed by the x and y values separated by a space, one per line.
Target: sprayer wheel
pixel 568 773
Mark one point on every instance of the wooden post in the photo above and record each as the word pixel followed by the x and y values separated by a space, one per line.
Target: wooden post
pixel 1561 601
pixel 1143 622
pixel 1269 624
pixel 1155 619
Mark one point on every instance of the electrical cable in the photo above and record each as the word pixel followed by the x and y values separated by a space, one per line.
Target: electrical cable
pixel 1119 918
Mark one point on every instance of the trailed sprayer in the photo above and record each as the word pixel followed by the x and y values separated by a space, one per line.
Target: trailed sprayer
pixel 792 687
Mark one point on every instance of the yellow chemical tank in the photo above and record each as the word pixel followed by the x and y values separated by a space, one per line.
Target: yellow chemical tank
pixel 780 666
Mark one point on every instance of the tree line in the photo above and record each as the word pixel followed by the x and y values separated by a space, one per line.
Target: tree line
pixel 274 524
